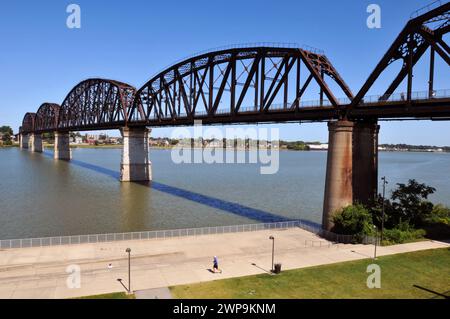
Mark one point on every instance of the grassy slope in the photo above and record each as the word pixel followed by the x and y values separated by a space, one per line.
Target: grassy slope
pixel 114 295
pixel 429 269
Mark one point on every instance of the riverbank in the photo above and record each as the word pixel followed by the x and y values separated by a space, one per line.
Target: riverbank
pixel 119 146
pixel 41 272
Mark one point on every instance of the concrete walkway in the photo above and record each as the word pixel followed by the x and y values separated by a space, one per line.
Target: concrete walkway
pixel 155 293
pixel 159 263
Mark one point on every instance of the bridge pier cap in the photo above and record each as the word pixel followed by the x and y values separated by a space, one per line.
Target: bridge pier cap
pixel 135 165
pixel 352 166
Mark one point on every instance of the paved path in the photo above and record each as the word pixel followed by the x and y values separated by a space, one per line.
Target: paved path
pixel 158 263
pixel 154 293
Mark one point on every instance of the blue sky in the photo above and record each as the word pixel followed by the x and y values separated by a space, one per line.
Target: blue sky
pixel 41 59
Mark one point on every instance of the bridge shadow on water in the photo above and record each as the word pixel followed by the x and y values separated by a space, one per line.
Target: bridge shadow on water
pixel 234 208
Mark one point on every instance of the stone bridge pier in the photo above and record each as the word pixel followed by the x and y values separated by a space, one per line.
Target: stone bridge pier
pixel 62 146
pixel 24 141
pixel 352 166
pixel 135 165
pixel 36 142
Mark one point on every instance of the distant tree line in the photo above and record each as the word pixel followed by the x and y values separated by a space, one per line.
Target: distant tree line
pixel 408 147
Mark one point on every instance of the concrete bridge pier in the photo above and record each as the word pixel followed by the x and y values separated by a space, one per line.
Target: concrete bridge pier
pixel 352 166
pixel 62 146
pixel 36 142
pixel 135 165
pixel 24 140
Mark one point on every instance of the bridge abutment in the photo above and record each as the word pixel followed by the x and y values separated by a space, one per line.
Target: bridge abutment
pixel 352 166
pixel 135 165
pixel 36 142
pixel 62 146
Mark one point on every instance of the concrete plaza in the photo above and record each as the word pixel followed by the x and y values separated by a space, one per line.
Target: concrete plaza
pixel 159 263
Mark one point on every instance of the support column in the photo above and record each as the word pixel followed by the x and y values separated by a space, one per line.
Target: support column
pixel 36 142
pixel 365 162
pixel 24 140
pixel 352 166
pixel 62 146
pixel 135 165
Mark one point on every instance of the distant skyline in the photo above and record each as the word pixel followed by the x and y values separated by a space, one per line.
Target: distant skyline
pixel 41 60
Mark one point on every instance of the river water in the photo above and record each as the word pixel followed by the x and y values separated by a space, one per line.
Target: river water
pixel 42 197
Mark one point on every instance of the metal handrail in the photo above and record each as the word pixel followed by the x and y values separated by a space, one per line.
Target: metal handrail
pixel 164 234
pixel 425 9
pixel 369 99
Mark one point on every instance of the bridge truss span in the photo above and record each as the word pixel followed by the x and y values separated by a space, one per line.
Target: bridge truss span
pixel 251 84
pixel 96 103
pixel 47 118
pixel 28 122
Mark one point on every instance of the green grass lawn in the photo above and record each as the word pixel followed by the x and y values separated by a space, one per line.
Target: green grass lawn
pixel 114 295
pixel 429 269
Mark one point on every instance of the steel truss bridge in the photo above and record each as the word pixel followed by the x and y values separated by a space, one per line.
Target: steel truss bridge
pixel 217 87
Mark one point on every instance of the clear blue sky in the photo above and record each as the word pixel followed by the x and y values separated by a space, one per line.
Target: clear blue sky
pixel 41 59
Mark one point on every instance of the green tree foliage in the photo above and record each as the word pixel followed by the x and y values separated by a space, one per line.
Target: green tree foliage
pixel 296 146
pixel 6 130
pixel 410 202
pixel 439 214
pixel 353 220
pixel 49 137
pixel 6 133
pixel 408 215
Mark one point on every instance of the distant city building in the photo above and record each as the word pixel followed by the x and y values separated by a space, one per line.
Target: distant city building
pixel 77 140
pixel 318 147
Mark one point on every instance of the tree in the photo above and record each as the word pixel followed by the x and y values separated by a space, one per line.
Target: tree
pixel 50 136
pixel 410 202
pixel 376 210
pixel 6 132
pixel 353 220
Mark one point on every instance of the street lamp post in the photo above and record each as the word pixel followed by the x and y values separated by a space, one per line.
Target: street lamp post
pixel 376 242
pixel 273 252
pixel 382 207
pixel 128 250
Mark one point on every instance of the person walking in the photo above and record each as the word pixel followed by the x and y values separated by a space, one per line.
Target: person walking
pixel 216 265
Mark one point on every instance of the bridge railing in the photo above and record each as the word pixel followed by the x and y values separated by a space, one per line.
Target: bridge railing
pixel 367 100
pixel 165 234
pixel 425 9
pixel 402 96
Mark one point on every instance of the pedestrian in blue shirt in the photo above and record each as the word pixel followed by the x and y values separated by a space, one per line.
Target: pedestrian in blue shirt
pixel 216 265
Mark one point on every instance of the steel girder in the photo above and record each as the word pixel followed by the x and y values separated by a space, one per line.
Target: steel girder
pixel 47 117
pixel 196 88
pixel 419 34
pixel 96 103
pixel 28 123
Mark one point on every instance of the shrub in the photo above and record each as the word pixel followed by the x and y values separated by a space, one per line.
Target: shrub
pixel 353 220
pixel 438 215
pixel 399 236
pixel 437 223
